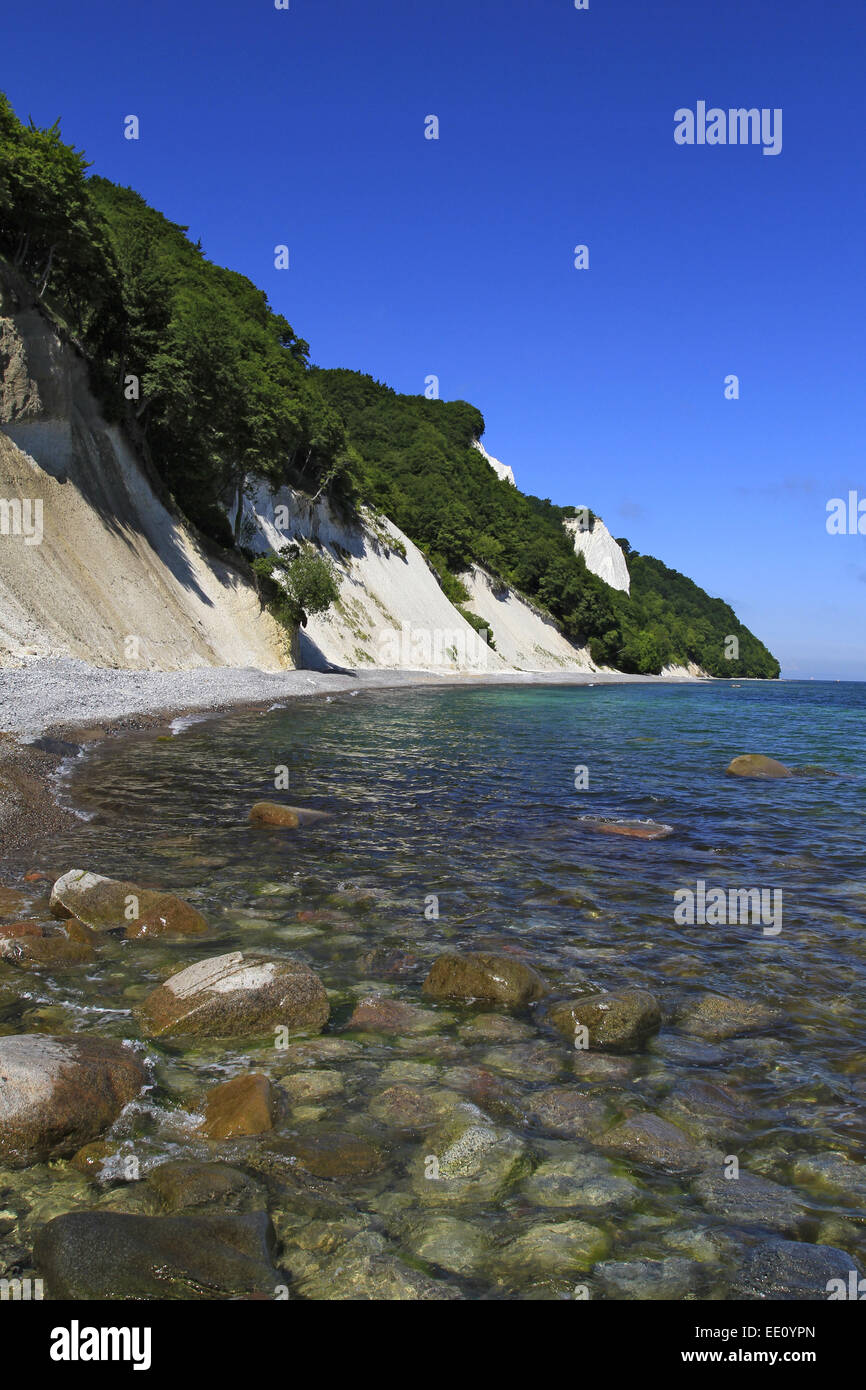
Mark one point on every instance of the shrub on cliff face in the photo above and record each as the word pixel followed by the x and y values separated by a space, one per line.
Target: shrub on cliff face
pixel 297 582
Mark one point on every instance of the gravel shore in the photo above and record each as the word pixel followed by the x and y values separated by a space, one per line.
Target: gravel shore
pixel 47 694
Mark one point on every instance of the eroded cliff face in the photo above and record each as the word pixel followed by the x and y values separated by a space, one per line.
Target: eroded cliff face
pixel 526 638
pixel 92 563
pixel 597 546
pixel 392 611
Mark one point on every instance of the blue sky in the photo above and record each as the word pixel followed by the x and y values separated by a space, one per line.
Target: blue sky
pixel 412 257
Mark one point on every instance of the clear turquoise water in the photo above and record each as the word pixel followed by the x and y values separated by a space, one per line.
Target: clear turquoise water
pixel 469 794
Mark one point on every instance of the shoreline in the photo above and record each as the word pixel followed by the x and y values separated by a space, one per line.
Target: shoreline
pixel 50 709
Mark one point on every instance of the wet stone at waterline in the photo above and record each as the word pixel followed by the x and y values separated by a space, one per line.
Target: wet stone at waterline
pixel 57 1093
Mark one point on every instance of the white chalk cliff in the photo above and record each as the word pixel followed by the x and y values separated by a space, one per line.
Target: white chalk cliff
pixel 392 611
pixel 500 469
pixel 599 549
pixel 117 578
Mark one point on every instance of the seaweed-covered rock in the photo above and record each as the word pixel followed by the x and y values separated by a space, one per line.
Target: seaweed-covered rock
pixel 620 1021
pixel 493 979
pixel 108 904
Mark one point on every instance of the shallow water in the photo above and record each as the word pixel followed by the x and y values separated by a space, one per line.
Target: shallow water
pixel 465 799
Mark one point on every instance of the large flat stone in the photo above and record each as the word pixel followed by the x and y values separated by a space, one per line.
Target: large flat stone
pixel 236 994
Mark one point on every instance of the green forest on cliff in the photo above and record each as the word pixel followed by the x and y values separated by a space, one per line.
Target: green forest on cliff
pixel 215 387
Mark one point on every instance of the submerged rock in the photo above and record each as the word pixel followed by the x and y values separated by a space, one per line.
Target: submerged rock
pixel 495 1028
pixel 833 1172
pixel 756 765
pixel 649 1139
pixel 183 1183
pixel 16 929
pixel 493 979
pixel 752 1201
pixel 445 1240
pixel 90 1157
pixel 318 1084
pixel 312 1050
pixel 603 1066
pixel 333 1154
pixel 556 1249
pixel 13 901
pixel 632 829
pixel 236 994
pixel 566 1110
pixel 286 817
pixel 32 950
pixel 380 1014
pixel 525 1061
pixel 792 1270
pixel 59 1093
pixel 674 1277
pixel 715 1017
pixel 587 1180
pixel 108 904
pixel 238 1108
pixel 109 1255
pixel 469 1159
pixel 705 1110
pixel 406 1107
pixel 364 1269
pixel 621 1021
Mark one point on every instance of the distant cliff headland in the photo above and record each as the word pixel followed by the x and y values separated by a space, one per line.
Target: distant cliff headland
pixel 181 487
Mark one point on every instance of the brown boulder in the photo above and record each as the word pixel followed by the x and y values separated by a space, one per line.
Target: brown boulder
pixel 107 904
pixel 237 994
pixel 238 1108
pixel 493 979
pixel 756 765
pixel 59 1093
pixel 286 817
